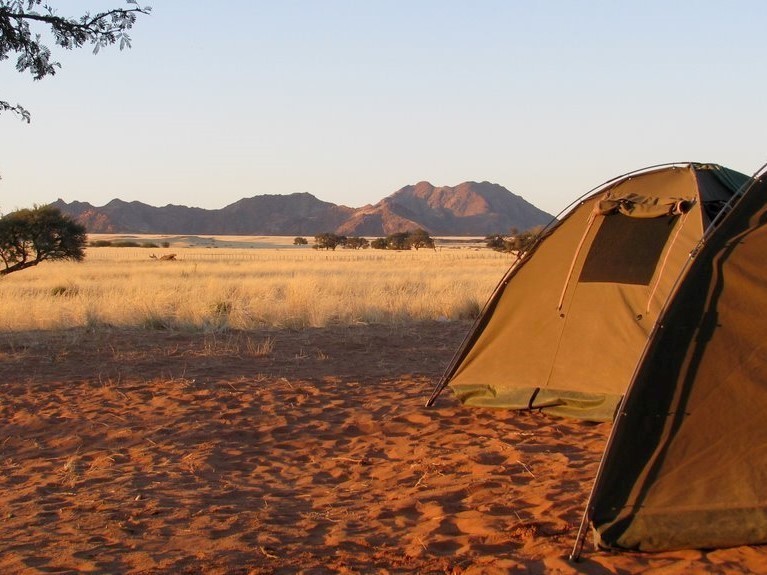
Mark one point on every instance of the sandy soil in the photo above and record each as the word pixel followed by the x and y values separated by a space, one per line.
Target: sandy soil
pixel 154 452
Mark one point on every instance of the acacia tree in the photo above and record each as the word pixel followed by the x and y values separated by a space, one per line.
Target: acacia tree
pixel 398 241
pixel 356 243
pixel 31 236
pixel 420 238
pixel 19 17
pixel 327 241
pixel 378 244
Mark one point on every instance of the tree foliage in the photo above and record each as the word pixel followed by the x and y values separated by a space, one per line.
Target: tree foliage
pixel 300 241
pixel 327 241
pixel 515 242
pixel 20 21
pixel 356 243
pixel 496 242
pixel 414 239
pixel 398 241
pixel 420 239
pixel 378 244
pixel 330 241
pixel 31 236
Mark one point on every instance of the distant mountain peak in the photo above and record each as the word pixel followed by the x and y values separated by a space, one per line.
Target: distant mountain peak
pixel 468 209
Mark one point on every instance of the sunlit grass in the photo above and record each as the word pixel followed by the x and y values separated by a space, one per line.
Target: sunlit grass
pixel 214 290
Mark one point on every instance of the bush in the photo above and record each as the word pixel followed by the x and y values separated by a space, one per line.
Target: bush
pixel 222 308
pixel 468 309
pixel 126 244
pixel 515 242
pixel 496 242
pixel 64 291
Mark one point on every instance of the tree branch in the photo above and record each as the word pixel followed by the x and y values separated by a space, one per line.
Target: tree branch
pixel 9 269
pixel 17 109
pixel 84 24
pixel 100 30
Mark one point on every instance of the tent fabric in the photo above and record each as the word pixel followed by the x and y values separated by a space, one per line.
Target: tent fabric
pixel 563 335
pixel 578 405
pixel 637 206
pixel 686 466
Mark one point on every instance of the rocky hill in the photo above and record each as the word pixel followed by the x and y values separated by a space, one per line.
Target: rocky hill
pixel 469 209
pixel 293 214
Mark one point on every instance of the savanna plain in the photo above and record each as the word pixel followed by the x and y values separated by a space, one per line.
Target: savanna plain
pixel 254 407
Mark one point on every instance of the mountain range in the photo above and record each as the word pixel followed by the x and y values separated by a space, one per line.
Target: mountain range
pixel 469 209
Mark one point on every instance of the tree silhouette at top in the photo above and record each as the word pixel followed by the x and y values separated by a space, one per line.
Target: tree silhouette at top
pixel 20 21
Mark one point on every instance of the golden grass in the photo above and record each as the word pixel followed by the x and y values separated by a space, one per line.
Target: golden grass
pixel 222 289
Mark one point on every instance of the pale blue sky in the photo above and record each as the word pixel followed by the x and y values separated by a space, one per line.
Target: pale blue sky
pixel 350 100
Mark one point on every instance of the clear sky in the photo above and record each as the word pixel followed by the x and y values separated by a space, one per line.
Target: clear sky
pixel 351 100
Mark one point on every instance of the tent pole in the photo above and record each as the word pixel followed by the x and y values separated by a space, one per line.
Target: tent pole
pixel 665 261
pixel 580 539
pixel 437 390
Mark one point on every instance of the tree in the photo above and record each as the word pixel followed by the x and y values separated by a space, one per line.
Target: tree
pixel 398 241
pixel 404 241
pixel 379 244
pixel 299 241
pixel 31 236
pixel 420 239
pixel 524 241
pixel 496 242
pixel 17 18
pixel 356 243
pixel 515 242
pixel 327 241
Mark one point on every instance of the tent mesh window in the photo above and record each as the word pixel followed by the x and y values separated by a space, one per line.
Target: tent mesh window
pixel 626 250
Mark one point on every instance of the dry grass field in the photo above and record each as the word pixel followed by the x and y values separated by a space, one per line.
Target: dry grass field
pixel 244 283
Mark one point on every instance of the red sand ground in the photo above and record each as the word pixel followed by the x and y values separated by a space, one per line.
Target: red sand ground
pixel 154 452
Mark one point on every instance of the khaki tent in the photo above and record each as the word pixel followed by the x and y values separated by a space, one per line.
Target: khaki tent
pixel 686 465
pixel 565 328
